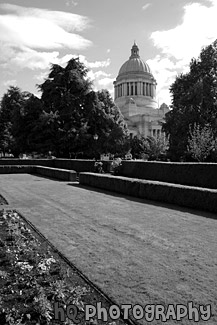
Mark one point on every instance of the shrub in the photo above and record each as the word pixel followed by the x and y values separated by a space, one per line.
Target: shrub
pixel 201 142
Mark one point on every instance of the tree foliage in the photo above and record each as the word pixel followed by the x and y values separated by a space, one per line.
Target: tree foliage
pixel 194 100
pixel 201 142
pixel 81 113
pixel 13 123
pixel 65 119
pixel 156 147
pixel 151 148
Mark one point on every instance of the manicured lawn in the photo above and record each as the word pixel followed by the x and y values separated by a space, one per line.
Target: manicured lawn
pixel 138 252
pixel 2 200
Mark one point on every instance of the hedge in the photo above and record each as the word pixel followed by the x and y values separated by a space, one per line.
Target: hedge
pixel 62 174
pixel 191 174
pixel 188 196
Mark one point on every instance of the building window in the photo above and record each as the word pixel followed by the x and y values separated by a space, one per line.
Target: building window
pixel 154 133
pixel 135 88
pixel 128 89
pixel 158 133
pixel 143 89
pixel 131 89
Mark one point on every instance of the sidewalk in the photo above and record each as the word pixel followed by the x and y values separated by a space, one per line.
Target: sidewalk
pixel 136 251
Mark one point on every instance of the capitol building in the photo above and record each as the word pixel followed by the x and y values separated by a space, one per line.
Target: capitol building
pixel 135 95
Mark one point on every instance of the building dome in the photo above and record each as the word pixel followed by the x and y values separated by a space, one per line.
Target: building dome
pixel 135 65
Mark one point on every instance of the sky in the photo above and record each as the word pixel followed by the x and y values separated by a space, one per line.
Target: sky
pixel 36 33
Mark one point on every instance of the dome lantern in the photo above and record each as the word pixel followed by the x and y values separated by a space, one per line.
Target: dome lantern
pixel 134 51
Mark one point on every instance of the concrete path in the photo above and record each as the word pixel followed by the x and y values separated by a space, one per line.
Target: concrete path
pixel 137 251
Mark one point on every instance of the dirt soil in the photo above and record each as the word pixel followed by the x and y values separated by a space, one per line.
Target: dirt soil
pixel 137 251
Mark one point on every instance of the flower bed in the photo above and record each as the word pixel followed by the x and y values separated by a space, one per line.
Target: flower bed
pixel 33 278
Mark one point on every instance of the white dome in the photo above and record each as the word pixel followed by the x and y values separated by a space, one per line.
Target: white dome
pixel 135 65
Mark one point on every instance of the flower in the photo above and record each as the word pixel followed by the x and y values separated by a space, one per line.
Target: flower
pixel 24 266
pixel 45 264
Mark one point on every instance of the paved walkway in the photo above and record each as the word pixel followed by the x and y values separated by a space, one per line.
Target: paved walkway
pixel 136 251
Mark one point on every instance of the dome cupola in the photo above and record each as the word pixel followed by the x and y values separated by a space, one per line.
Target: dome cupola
pixel 134 51
pixel 135 64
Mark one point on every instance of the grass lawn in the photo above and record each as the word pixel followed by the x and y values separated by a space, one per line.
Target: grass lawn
pixel 136 251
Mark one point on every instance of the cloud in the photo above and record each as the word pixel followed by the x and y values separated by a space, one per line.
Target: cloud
pixel 179 45
pixel 32 38
pixel 185 41
pixel 82 58
pixel 106 82
pixel 101 73
pixel 16 59
pixel 42 29
pixel 71 3
pixel 146 6
pixel 8 83
pixel 164 71
pixel 41 76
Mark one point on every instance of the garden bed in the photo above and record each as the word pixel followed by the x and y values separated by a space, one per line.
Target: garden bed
pixel 34 279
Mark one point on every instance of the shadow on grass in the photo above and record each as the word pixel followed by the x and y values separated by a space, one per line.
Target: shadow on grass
pixel 147 201
pixel 50 178
pixel 3 201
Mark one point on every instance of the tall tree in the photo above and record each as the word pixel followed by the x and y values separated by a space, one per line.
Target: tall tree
pixel 194 97
pixel 81 112
pixel 11 113
pixel 63 93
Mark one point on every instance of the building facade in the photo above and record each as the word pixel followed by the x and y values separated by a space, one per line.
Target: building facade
pixel 135 95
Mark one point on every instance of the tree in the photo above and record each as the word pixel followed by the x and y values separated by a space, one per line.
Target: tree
pixel 80 113
pixel 137 145
pixel 63 93
pixel 201 142
pixel 26 133
pixel 113 129
pixel 156 147
pixel 194 97
pixel 11 113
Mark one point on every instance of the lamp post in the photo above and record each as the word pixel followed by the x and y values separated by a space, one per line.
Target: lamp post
pixel 95 137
